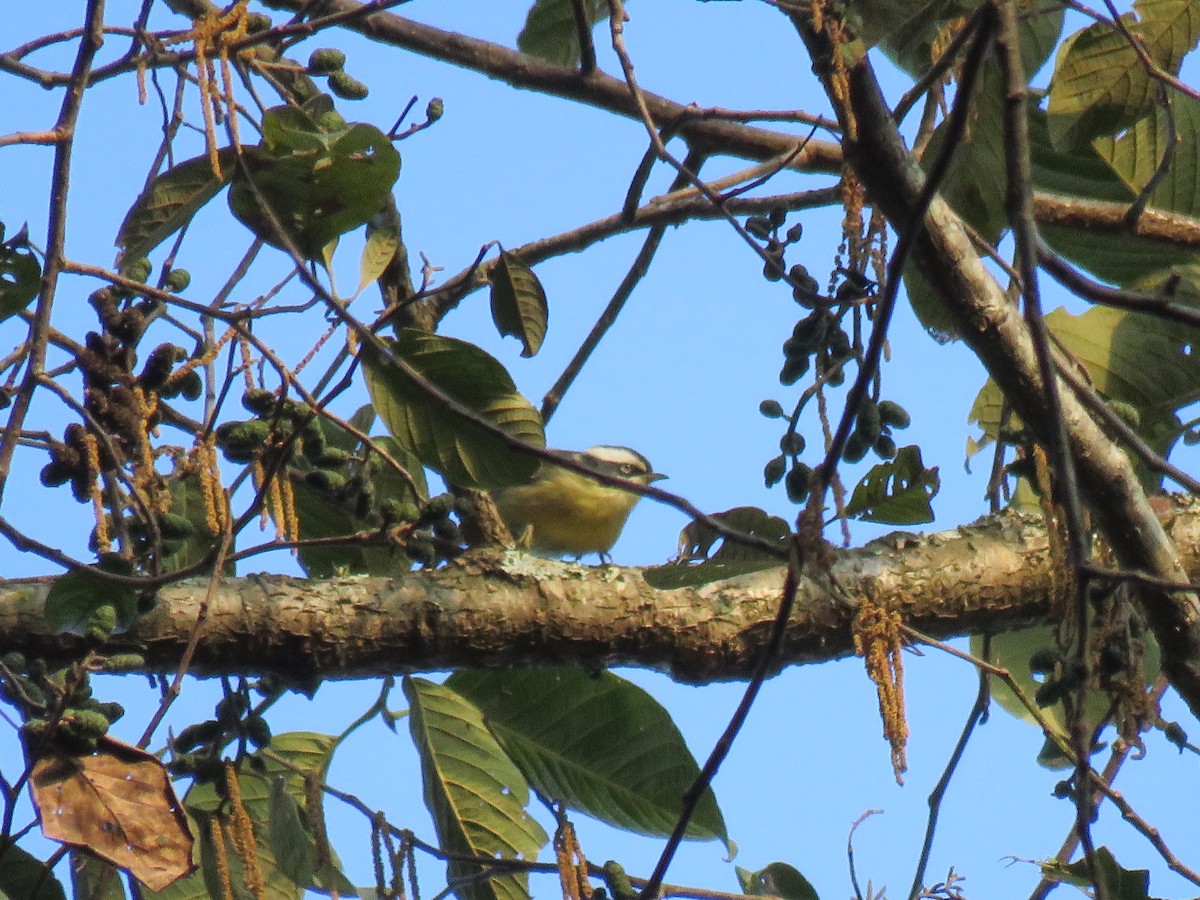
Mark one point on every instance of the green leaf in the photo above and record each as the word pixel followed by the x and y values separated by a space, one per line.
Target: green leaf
pixel 20 273
pixel 377 255
pixel 76 595
pixel 444 441
pixel 601 745
pixel 187 500
pixel 93 878
pixel 476 796
pixel 896 492
pixel 321 515
pixel 907 32
pixel 1118 883
pixel 25 876
pixel 170 201
pixel 1136 155
pixel 1101 87
pixel 776 880
pixel 518 302
pixel 291 843
pixel 260 784
pixel 550 32
pixel 320 181
pixel 1013 650
pixel 1112 346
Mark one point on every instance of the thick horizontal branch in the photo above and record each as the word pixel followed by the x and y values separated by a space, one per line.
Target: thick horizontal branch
pixel 495 608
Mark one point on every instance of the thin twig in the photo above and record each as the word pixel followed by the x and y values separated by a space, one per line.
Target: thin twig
pixel 977 715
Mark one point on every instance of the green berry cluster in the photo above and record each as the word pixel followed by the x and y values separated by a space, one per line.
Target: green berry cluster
pixel 57 706
pixel 329 62
pixel 197 750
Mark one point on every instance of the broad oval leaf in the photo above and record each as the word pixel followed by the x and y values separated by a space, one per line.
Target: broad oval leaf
pixel 443 440
pixel 550 32
pixel 20 273
pixel 896 492
pixel 170 201
pixel 316 193
pixel 477 797
pixel 600 745
pixel 518 302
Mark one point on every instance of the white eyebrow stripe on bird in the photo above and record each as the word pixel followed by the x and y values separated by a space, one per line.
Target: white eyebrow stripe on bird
pixel 618 456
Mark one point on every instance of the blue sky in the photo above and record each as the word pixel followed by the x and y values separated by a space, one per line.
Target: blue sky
pixel 680 378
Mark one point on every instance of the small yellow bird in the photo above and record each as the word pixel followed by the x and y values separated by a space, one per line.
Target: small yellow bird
pixel 564 513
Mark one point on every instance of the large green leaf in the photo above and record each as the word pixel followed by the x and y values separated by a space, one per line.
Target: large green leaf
pixel 1100 86
pixel 1136 154
pixel 446 442
pixel 170 201
pixel 262 784
pixel 896 492
pixel 1117 257
pixel 1113 346
pixel 599 744
pixel 908 31
pixel 25 876
pixel 320 176
pixel 550 32
pixel 518 302
pixel 477 797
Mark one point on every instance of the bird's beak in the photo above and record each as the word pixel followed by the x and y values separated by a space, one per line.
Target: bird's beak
pixel 655 476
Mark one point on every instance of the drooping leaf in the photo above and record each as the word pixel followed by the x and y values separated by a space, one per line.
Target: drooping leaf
pixel 550 32
pixel 518 302
pixel 319 177
pixel 118 804
pixel 170 202
pixel 776 880
pixel 443 440
pixel 477 797
pixel 601 745
pixel 377 255
pixel 24 875
pixel 291 843
pixel 697 539
pixel 20 273
pixel 187 500
pixel 325 515
pixel 896 492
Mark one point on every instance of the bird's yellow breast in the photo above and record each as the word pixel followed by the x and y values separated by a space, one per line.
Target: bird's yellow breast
pixel 567 513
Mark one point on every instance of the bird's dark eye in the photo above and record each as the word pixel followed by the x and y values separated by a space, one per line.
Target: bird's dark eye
pixel 627 470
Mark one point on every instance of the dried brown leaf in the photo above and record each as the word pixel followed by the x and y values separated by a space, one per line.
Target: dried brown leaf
pixel 118 804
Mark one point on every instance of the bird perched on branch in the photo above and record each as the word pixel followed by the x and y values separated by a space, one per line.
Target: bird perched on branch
pixel 561 512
